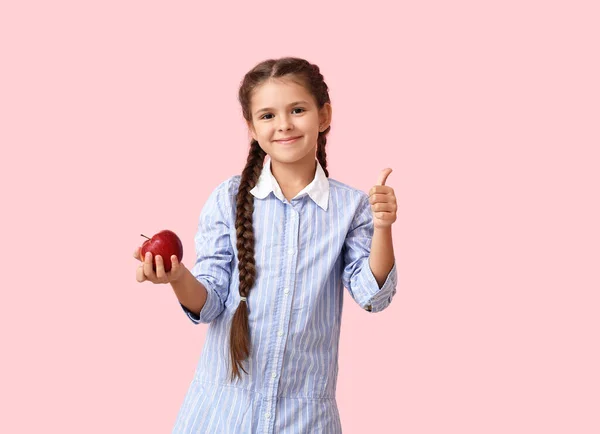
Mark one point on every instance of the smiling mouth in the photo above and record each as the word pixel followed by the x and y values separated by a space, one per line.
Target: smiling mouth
pixel 287 141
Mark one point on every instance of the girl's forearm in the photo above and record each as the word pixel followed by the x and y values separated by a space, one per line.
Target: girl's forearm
pixel 381 259
pixel 189 291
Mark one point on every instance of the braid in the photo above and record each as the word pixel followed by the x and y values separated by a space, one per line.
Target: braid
pixel 321 154
pixel 240 330
pixel 321 91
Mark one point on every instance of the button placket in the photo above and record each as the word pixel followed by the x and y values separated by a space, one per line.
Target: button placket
pixel 284 311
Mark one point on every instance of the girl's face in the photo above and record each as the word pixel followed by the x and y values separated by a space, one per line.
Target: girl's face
pixel 283 109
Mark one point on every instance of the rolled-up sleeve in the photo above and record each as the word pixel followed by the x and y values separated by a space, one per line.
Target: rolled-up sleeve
pixel 357 275
pixel 214 255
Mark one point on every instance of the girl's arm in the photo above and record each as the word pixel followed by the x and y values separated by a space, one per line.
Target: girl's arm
pixel 383 204
pixel 369 269
pixel 381 258
pixel 204 288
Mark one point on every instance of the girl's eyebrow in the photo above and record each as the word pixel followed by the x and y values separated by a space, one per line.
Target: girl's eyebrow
pixel 269 108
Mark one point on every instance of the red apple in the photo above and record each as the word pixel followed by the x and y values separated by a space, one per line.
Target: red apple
pixel 165 243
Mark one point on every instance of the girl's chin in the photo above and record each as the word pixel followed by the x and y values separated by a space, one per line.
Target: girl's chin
pixel 290 157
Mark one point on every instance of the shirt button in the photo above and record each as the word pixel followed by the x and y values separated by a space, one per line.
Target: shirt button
pixel 274 375
pixel 290 252
pixel 280 333
pixel 286 290
pixel 267 415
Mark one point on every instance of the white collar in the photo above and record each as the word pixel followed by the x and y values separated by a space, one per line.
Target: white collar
pixel 318 189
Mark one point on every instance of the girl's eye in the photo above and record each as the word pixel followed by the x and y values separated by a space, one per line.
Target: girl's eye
pixel 270 114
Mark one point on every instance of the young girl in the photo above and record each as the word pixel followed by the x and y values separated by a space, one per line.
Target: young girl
pixel 275 248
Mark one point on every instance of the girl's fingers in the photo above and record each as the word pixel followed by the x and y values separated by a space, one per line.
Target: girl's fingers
pixel 174 266
pixel 381 197
pixel 381 189
pixel 136 253
pixel 388 207
pixel 148 271
pixel 160 267
pixel 139 274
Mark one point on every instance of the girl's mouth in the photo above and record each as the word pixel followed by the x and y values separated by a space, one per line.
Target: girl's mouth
pixel 287 141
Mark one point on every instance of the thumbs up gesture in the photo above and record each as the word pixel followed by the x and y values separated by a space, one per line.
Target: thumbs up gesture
pixel 383 202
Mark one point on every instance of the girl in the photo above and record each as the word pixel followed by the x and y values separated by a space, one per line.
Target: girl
pixel 275 248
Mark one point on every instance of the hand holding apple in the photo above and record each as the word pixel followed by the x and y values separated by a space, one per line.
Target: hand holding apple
pixel 167 250
pixel 165 243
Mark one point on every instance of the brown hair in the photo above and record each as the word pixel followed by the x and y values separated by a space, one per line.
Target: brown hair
pixel 311 78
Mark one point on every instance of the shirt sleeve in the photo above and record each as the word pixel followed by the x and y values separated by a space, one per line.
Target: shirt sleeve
pixel 357 275
pixel 214 255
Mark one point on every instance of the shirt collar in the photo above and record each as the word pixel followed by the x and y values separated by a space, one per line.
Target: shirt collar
pixel 318 189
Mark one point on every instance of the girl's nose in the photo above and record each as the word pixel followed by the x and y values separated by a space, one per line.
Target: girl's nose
pixel 285 124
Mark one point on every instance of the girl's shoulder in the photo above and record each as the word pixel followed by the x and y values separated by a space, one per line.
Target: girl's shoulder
pixel 226 191
pixel 351 195
pixel 230 186
pixel 334 183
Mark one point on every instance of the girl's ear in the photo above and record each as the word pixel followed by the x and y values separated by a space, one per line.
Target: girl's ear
pixel 325 117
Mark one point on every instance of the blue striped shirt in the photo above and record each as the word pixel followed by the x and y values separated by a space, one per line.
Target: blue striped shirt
pixel 307 250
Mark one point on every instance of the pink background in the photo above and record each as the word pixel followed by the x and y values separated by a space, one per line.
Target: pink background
pixel 119 118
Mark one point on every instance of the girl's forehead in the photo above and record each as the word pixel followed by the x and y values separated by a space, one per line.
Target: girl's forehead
pixel 279 91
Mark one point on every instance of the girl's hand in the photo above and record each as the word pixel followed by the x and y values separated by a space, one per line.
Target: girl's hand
pixel 383 202
pixel 145 271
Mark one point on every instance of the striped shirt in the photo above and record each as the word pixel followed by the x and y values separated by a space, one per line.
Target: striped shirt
pixel 306 251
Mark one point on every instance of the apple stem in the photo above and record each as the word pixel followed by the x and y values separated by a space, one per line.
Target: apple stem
pixel 144 236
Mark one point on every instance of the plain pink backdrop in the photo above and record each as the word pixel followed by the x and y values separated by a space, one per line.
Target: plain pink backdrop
pixel 119 118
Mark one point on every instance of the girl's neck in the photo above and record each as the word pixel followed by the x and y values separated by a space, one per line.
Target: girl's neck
pixel 293 177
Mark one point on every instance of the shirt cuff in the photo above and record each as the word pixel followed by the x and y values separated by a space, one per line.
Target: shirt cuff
pixel 211 308
pixel 376 299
